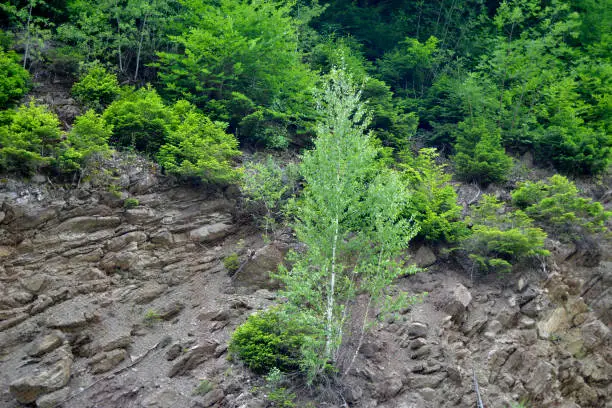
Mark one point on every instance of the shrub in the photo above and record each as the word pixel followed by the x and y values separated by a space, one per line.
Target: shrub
pixel 266 184
pixel 130 203
pixel 266 128
pixel 270 339
pixel 97 88
pixel 200 148
pixel 579 151
pixel 14 79
pixel 433 202
pixel 499 239
pixel 30 139
pixel 140 120
pixel 480 156
pixel 203 388
pixel 88 136
pixel 231 263
pixel 555 204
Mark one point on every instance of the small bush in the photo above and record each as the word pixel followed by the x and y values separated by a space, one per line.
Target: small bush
pixel 130 203
pixel 433 202
pixel 200 148
pixel 140 120
pixel 499 239
pixel 14 79
pixel 151 317
pixel 29 139
pixel 556 205
pixel 270 339
pixel 88 136
pixel 97 88
pixel 231 263
pixel 203 388
pixel 480 156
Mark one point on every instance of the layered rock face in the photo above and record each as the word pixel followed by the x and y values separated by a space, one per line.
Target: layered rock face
pixel 107 306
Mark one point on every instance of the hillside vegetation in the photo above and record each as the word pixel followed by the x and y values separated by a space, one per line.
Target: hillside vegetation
pixel 388 104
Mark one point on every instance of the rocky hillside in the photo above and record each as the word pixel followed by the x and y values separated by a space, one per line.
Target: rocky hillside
pixel 102 305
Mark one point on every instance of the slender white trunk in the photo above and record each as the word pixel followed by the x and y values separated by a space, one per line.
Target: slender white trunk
pixel 330 294
pixel 27 49
pixel 142 30
pixel 119 36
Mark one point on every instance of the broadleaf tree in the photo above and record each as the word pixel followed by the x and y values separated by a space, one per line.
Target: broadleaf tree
pixel 350 221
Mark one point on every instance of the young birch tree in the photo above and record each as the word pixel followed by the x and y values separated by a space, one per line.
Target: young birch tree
pixel 348 217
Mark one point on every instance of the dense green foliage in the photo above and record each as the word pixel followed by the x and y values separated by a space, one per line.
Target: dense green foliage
pixel 30 140
pixel 97 88
pixel 14 79
pixel 480 156
pixel 271 339
pixel 475 79
pixel 501 238
pixel 197 147
pixel 89 136
pixel 140 120
pixel 433 200
pixel 556 205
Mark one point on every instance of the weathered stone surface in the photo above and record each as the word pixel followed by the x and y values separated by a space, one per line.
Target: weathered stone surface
pixel 88 224
pixel 558 321
pixel 457 302
pixel 106 361
pixel 595 334
pixel 390 387
pixel 193 358
pixel 167 399
pixel 54 399
pixel 213 232
pixel 46 344
pixel 122 241
pixel 424 257
pixel 416 329
pixel 150 291
pixel 255 273
pixel 171 309
pixel 27 389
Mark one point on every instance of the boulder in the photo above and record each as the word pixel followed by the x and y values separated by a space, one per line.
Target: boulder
pixel 54 377
pixel 104 362
pixel 255 273
pixel 424 257
pixel 416 329
pixel 210 233
pixel 595 334
pixel 457 301
pixel 193 358
pixel 54 399
pixel 46 344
